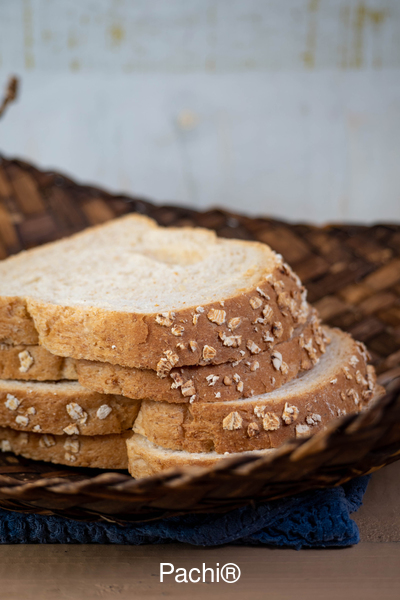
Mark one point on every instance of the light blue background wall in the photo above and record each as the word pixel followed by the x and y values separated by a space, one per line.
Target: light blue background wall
pixel 282 107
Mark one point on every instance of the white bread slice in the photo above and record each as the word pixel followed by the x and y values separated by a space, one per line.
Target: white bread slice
pixel 63 407
pixel 97 451
pixel 131 293
pixel 34 363
pixel 228 381
pixel 339 384
pixel 146 458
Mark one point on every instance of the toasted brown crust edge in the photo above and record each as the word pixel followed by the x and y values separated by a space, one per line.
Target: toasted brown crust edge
pixel 40 364
pixel 16 324
pixel 52 411
pixel 99 452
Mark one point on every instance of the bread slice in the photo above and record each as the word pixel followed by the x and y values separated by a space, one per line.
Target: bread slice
pixel 229 381
pixel 34 363
pixel 131 293
pixel 97 451
pixel 146 458
pixel 63 407
pixel 339 384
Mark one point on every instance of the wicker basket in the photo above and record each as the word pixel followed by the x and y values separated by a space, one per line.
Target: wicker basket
pixel 353 277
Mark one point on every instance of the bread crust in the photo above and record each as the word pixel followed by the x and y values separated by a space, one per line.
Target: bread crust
pixel 228 381
pixel 99 452
pixel 16 324
pixel 55 407
pixel 34 363
pixel 260 423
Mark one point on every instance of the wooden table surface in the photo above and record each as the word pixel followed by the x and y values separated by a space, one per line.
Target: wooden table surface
pixel 368 571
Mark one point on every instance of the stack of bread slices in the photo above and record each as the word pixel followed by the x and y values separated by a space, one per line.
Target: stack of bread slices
pixel 132 345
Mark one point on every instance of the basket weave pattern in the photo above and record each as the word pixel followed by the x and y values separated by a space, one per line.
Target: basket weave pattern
pixel 353 278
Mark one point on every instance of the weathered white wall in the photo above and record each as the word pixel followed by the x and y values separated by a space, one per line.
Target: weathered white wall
pixel 283 107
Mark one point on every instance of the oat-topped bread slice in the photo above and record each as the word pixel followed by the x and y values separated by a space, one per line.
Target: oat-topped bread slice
pixel 34 363
pixel 340 383
pixel 138 295
pixel 96 451
pixel 146 458
pixel 260 374
pixel 63 408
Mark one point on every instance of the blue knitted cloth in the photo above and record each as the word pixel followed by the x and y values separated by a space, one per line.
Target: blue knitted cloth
pixel 314 519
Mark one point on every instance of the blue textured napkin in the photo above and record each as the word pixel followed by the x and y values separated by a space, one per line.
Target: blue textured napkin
pixel 314 519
